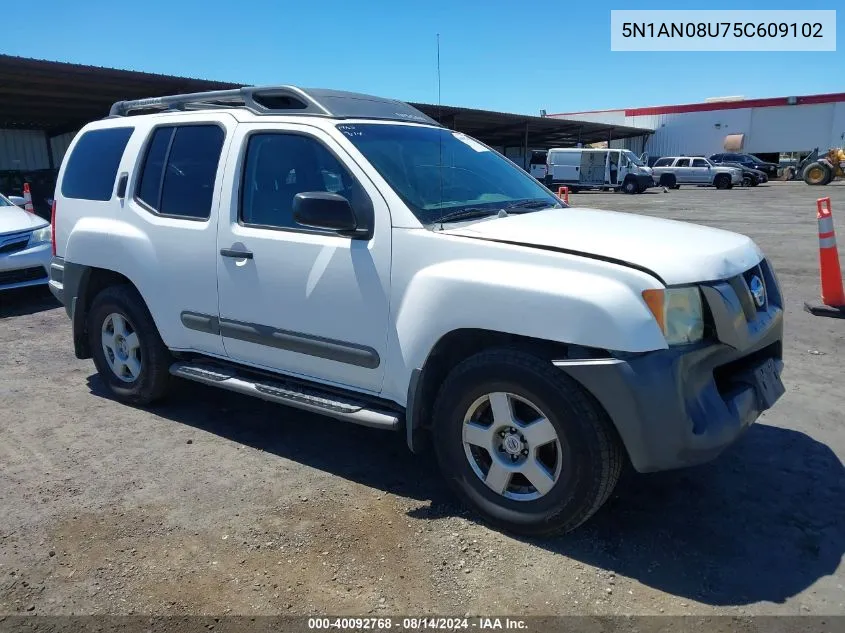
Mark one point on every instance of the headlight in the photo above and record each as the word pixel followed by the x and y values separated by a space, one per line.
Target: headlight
pixel 678 313
pixel 39 236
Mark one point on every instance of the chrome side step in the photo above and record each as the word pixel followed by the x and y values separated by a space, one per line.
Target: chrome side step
pixel 288 393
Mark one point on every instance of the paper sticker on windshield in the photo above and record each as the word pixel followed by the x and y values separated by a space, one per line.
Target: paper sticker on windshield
pixel 478 147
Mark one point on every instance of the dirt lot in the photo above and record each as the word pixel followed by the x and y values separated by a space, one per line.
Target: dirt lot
pixel 216 503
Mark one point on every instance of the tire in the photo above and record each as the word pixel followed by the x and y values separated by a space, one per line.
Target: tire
pixel 748 181
pixel 817 173
pixel 145 374
pixel 676 187
pixel 630 186
pixel 723 181
pixel 668 180
pixel 589 454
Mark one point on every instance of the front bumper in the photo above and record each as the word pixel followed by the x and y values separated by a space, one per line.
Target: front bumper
pixel 683 406
pixel 25 267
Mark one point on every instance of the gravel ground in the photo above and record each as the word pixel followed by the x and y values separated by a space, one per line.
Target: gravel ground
pixel 215 503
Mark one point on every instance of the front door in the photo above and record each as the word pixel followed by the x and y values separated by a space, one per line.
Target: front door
pixel 295 300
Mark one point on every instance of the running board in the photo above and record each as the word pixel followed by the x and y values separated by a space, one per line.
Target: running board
pixel 288 393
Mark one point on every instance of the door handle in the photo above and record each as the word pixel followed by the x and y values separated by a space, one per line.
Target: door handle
pixel 228 252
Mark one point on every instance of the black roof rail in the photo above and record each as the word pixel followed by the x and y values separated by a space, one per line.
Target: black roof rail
pixel 276 100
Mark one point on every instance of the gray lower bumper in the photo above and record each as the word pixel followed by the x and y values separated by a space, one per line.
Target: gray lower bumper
pixel 683 406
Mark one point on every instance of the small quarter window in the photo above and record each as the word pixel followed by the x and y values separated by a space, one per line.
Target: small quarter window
pixel 92 167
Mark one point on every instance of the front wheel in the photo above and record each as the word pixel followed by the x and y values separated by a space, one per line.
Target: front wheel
pixel 524 444
pixel 630 186
pixel 128 352
pixel 723 181
pixel 748 181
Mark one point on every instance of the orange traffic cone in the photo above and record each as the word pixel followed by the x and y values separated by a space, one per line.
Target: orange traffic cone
pixel 563 194
pixel 830 273
pixel 27 198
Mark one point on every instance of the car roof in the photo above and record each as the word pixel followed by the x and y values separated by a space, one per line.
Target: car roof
pixel 280 101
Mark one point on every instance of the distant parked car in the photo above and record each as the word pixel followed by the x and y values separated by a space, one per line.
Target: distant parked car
pixel 747 160
pixel 25 249
pixel 674 171
pixel 750 177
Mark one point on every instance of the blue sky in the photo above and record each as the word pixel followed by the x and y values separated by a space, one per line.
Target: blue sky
pixel 513 55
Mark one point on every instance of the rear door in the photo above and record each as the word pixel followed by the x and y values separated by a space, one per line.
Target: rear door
pixel 683 171
pixel 700 170
pixel 174 193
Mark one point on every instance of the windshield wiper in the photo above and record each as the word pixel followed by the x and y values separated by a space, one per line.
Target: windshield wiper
pixel 537 203
pixel 468 214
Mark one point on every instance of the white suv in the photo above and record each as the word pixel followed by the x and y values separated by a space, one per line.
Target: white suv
pixel 346 255
pixel 674 171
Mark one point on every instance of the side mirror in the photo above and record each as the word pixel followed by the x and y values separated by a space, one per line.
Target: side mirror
pixel 327 211
pixel 18 201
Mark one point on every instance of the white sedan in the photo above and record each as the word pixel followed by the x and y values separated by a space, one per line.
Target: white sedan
pixel 25 247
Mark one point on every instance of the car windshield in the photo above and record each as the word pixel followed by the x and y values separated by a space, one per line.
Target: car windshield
pixel 443 174
pixel 633 158
pixel 5 202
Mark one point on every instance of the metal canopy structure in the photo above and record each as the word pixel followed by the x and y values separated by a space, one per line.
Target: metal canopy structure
pixel 58 97
pixel 509 130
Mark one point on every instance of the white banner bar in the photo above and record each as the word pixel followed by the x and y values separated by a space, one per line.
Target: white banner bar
pixel 763 30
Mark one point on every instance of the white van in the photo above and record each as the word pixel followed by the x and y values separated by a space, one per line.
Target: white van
pixel 585 168
pixel 537 164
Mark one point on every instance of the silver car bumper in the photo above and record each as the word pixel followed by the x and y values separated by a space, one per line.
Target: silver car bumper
pixel 26 267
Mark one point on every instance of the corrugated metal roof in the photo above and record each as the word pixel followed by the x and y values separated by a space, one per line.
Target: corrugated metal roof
pixel 60 97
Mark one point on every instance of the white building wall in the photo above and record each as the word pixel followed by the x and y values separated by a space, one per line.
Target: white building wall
pixel 23 149
pixel 838 126
pixel 611 117
pixel 797 128
pixel 693 132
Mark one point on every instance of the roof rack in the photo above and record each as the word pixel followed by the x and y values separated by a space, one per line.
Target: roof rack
pixel 284 100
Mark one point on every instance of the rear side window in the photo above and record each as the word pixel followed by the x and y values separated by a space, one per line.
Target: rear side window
pixel 92 167
pixel 179 171
pixel 664 162
pixel 683 162
pixel 538 158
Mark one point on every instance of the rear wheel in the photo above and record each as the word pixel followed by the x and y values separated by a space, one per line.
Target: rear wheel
pixel 523 444
pixel 723 181
pixel 128 352
pixel 818 173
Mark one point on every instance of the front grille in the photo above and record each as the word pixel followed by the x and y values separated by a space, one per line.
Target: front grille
pixel 24 274
pixel 12 247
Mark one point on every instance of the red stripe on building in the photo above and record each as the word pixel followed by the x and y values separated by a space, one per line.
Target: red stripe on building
pixel 710 106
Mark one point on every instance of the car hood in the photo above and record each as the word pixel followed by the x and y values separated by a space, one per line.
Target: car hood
pixel 678 252
pixel 15 219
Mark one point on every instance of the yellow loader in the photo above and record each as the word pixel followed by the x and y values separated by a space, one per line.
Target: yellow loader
pixel 825 168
